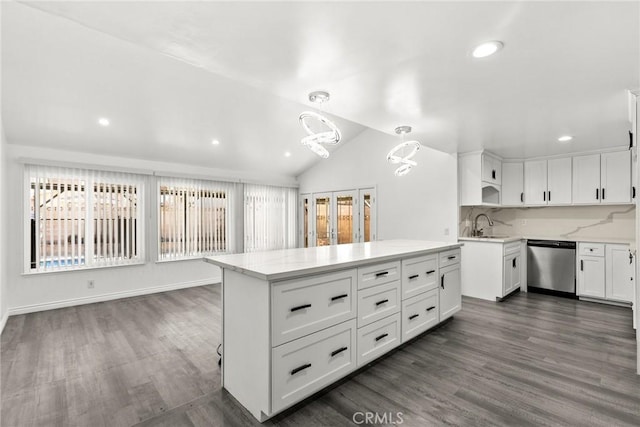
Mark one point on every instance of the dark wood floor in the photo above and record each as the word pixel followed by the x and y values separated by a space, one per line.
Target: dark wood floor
pixel 151 361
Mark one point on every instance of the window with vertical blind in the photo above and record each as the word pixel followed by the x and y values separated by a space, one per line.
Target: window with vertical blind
pixel 269 217
pixel 195 218
pixel 83 218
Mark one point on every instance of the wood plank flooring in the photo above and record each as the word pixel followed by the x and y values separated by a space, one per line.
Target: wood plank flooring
pixel 533 360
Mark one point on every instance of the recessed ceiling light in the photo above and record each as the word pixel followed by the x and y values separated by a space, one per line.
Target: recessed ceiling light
pixel 287 154
pixel 103 121
pixel 487 49
pixel 215 142
pixel 565 138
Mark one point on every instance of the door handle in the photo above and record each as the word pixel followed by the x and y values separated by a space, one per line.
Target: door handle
pixel 581 265
pixel 522 197
pixel 300 368
pixel 514 263
pixel 338 351
pixel 442 281
pixel 544 196
pixel 597 194
pixel 603 194
pixel 300 307
pixel 549 198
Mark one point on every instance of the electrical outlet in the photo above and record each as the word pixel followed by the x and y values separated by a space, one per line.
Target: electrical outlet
pixel 446 231
pixel 91 284
pixel 523 222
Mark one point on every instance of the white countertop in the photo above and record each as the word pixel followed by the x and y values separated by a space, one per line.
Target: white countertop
pixel 507 239
pixel 289 263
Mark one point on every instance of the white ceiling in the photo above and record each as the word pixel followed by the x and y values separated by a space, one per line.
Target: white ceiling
pixel 173 75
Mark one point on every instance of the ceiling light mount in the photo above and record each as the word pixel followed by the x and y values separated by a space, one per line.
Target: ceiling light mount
pixel 319 97
pixel 402 130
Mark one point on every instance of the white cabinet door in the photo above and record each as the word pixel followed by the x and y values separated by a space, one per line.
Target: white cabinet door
pixel 511 273
pixel 615 177
pixel 491 169
pixel 586 179
pixel 535 182
pixel 559 181
pixel 513 185
pixel 619 283
pixel 450 291
pixel 591 277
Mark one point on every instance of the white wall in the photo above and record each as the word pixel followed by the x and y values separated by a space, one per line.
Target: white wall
pixel 420 205
pixel 3 229
pixel 34 292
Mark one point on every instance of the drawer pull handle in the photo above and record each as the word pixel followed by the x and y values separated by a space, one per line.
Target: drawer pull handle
pixel 300 368
pixel 415 276
pixel 300 307
pixel 382 302
pixel 381 336
pixel 430 272
pixel 339 297
pixel 384 273
pixel 431 308
pixel 442 281
pixel 451 257
pixel 413 316
pixel 338 351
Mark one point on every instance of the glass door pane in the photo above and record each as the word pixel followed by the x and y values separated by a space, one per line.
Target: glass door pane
pixel 305 218
pixel 322 208
pixel 345 215
pixel 367 215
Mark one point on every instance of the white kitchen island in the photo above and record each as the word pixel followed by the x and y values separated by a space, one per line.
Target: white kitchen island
pixel 297 320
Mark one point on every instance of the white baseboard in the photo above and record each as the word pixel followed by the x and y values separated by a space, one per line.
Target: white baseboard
pixel 3 321
pixel 105 297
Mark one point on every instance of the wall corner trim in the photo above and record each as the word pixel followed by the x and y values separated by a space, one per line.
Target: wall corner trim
pixel 105 297
pixel 3 322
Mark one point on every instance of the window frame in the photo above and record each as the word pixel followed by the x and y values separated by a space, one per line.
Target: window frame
pixel 91 178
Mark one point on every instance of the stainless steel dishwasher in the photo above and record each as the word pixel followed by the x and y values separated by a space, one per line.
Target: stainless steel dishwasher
pixel 551 267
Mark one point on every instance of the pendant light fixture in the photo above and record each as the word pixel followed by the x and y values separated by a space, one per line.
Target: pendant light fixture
pixel 403 152
pixel 315 140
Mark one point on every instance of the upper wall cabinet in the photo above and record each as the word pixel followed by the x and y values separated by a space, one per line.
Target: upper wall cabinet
pixel 602 178
pixel 479 178
pixel 513 184
pixel 491 169
pixel 547 182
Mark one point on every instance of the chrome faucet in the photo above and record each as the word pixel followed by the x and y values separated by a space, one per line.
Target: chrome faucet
pixel 474 231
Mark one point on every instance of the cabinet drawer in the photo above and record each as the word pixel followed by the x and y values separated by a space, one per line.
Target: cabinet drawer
pixel 512 248
pixel 449 257
pixel 303 306
pixel 378 274
pixel 591 249
pixel 377 338
pixel 304 366
pixel 419 314
pixel 378 302
pixel 419 275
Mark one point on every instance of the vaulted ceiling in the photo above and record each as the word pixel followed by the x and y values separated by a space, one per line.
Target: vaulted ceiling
pixel 172 76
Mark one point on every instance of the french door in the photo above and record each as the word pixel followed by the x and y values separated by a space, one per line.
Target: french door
pixel 338 217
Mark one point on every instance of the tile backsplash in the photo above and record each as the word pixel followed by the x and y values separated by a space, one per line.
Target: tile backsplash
pixel 616 222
